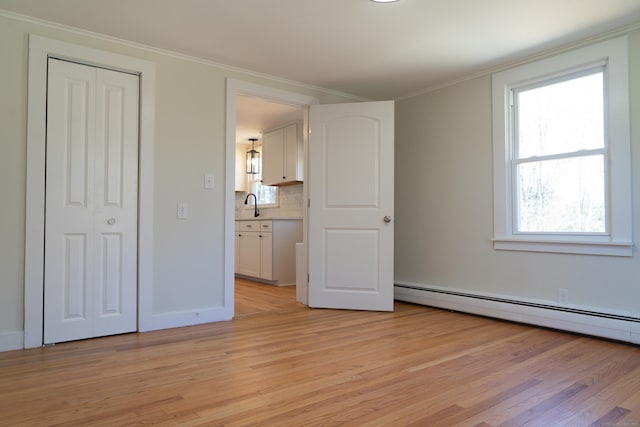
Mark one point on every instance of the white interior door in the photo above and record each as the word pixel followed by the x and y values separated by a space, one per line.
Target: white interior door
pixel 351 211
pixel 90 284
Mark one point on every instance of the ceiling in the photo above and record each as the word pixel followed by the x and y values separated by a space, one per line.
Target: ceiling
pixel 255 115
pixel 370 50
pixel 355 47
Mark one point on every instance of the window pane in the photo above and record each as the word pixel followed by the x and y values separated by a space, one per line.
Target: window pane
pixel 563 195
pixel 562 117
pixel 267 195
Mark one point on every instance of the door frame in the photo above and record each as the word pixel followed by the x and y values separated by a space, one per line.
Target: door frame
pixel 239 87
pixel 40 49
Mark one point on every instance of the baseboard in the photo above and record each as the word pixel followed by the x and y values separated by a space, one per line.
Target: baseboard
pixel 265 281
pixel 186 318
pixel 596 323
pixel 11 341
pixel 15 340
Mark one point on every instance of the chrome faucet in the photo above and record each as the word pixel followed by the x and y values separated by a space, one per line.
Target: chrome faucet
pixel 256 211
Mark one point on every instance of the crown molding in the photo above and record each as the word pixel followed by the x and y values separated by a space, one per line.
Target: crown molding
pixel 176 55
pixel 530 58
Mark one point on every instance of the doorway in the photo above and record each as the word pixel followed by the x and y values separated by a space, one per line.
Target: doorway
pixel 237 88
pixel 264 259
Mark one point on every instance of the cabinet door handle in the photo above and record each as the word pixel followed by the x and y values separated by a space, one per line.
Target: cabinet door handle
pixel 387 219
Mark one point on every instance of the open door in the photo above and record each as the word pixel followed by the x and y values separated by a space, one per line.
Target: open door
pixel 351 206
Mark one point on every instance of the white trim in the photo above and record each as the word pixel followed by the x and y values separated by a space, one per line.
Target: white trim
pixel 461 79
pixel 40 48
pixel 11 341
pixel 234 88
pixel 541 55
pixel 178 319
pixel 614 53
pixel 173 54
pixel 617 329
pixel 562 247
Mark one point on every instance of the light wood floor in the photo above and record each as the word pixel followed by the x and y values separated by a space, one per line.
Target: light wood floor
pixel 281 364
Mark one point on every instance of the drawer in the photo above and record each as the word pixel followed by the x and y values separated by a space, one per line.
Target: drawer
pixel 266 225
pixel 248 225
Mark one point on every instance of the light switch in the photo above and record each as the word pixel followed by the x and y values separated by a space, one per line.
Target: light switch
pixel 183 211
pixel 209 181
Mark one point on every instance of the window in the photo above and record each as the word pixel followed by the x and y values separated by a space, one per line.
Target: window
pixel 267 195
pixel 559 156
pixel 562 180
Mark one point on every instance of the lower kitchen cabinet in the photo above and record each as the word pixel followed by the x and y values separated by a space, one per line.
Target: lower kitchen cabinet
pixel 265 249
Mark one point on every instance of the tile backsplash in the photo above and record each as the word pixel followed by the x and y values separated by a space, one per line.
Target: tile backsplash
pixel 290 204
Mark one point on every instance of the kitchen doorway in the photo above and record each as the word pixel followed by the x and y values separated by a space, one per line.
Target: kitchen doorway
pixel 256 256
pixel 252 110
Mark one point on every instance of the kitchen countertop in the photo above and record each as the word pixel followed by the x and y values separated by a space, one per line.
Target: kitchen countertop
pixel 275 218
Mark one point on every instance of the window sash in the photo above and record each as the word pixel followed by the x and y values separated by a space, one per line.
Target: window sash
pixel 613 54
pixel 516 191
pixel 516 161
pixel 566 76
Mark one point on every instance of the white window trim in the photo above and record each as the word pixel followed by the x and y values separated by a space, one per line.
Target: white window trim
pixel 618 241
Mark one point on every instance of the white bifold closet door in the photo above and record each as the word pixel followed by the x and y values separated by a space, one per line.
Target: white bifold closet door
pixel 90 283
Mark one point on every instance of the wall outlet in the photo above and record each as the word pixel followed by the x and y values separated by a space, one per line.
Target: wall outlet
pixel 209 181
pixel 183 211
pixel 563 296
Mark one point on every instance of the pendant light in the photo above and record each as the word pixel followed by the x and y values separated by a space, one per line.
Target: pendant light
pixel 253 158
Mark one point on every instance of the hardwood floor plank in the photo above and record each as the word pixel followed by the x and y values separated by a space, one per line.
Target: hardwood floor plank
pixel 611 418
pixel 280 363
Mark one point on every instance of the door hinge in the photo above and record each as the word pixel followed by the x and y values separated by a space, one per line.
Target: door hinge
pixel 308 277
pixel 309 203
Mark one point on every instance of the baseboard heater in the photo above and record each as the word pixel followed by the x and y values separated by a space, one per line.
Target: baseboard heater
pixel 590 322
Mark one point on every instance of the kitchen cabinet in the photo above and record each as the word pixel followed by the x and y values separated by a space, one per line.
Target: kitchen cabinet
pixel 266 255
pixel 282 157
pixel 248 248
pixel 265 249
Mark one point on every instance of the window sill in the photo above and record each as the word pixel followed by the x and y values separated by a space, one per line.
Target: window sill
pixel 624 249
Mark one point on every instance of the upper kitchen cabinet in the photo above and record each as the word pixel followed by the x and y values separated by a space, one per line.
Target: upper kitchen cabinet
pixel 282 162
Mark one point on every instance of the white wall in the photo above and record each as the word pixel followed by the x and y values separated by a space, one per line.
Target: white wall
pixel 444 217
pixel 188 255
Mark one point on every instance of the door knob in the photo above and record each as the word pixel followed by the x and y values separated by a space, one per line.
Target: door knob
pixel 387 219
pixel 111 221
